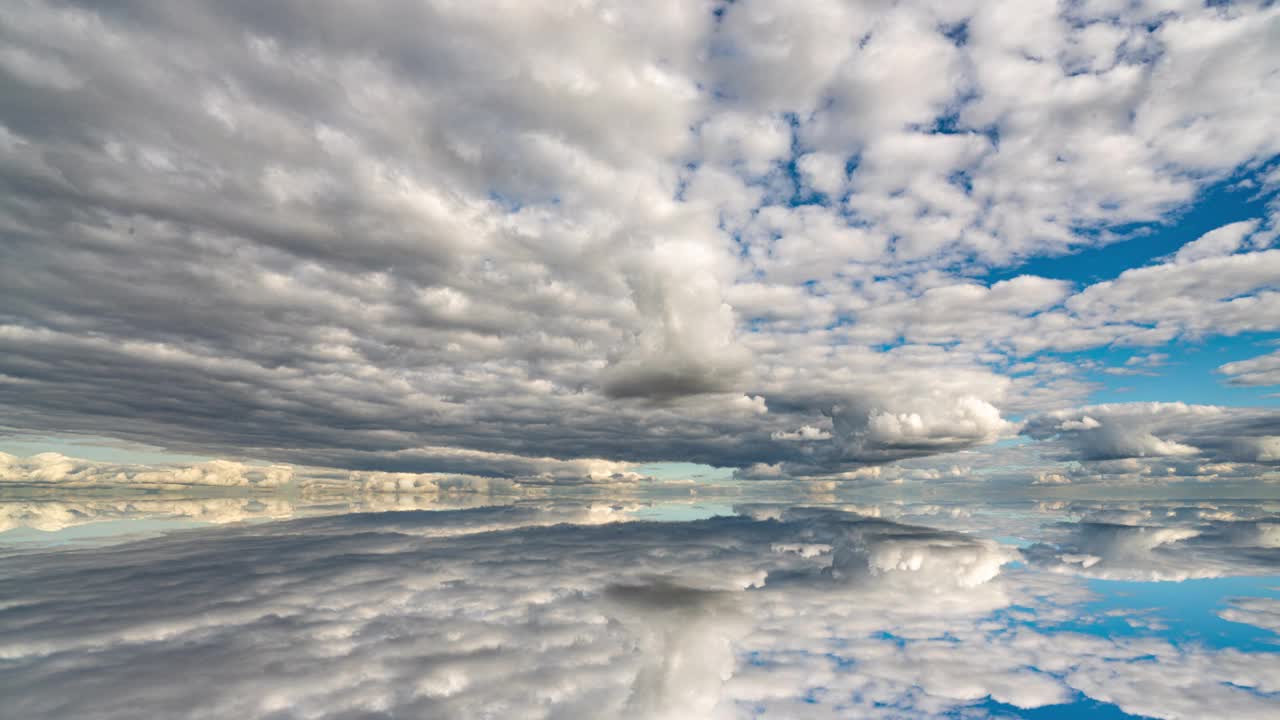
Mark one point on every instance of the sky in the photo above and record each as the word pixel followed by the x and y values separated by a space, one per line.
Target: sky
pixel 480 245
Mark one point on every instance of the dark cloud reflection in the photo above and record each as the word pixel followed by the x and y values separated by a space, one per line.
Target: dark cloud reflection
pixel 574 610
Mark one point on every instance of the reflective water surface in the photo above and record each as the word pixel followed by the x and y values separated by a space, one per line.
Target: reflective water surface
pixel 582 606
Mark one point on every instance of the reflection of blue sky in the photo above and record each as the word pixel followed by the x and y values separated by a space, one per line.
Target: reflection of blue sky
pixel 893 610
pixel 1181 612
pixel 96 533
pixel 1083 707
pixel 682 512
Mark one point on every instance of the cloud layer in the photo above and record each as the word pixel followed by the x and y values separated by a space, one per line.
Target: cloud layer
pixel 511 240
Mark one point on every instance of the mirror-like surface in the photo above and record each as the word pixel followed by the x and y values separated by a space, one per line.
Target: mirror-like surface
pixel 581 607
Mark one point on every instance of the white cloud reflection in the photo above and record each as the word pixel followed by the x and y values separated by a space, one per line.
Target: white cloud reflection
pixel 576 611
pixel 1163 542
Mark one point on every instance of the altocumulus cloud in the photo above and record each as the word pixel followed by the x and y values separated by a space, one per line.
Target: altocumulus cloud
pixel 776 611
pixel 539 241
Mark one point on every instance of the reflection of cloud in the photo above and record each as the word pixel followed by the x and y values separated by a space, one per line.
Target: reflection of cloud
pixel 51 516
pixel 1154 678
pixel 390 502
pixel 1259 612
pixel 467 613
pixel 558 611
pixel 1157 543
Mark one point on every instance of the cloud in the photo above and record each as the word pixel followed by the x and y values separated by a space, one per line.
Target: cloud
pixel 803 433
pixel 55 469
pixel 1051 478
pixel 1216 243
pixel 1123 431
pixel 1193 682
pixel 1219 294
pixel 472 472
pixel 963 421
pixel 1261 370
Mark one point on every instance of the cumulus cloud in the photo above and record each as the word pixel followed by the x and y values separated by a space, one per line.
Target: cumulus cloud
pixel 56 469
pixel 955 423
pixel 1126 431
pixel 804 432
pixel 1051 478
pixel 1215 243
pixel 1228 294
pixel 1261 370
pixel 474 473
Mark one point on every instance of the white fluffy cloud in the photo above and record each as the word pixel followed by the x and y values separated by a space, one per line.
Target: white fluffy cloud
pixel 1261 370
pixel 60 470
pixel 475 472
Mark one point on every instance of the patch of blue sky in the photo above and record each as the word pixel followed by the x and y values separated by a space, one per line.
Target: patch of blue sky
pixel 885 635
pixel 1082 707
pixel 685 471
pixel 1226 202
pixel 1189 373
